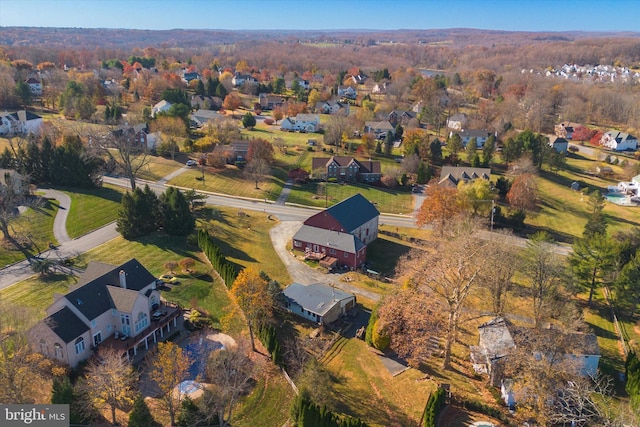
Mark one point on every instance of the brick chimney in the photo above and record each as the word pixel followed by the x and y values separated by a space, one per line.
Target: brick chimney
pixel 123 279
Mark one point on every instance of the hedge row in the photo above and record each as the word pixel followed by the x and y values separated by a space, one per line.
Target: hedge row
pixel 308 414
pixel 269 338
pixel 435 403
pixel 225 269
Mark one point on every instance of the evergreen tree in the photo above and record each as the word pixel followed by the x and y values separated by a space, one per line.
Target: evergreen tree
pixel 176 215
pixel 200 89
pixel 470 149
pixel 212 85
pixel 435 147
pixel 248 121
pixel 488 150
pixel 597 222
pixel 137 215
pixel 47 152
pixel 140 415
pixel 221 91
pixel 62 393
pixel 388 143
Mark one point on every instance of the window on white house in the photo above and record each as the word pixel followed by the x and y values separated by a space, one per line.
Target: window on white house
pixel 44 348
pixel 79 345
pixel 142 322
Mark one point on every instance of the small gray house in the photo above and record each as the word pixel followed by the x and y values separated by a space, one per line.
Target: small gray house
pixel 319 303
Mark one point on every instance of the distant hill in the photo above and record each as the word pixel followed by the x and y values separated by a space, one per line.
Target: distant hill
pixel 129 38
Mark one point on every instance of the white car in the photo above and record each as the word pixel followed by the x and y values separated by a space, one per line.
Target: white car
pixel 192 163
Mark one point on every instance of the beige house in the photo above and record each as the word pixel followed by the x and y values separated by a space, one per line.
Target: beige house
pixel 112 307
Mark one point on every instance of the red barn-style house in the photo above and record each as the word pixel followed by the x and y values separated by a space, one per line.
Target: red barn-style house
pixel 340 235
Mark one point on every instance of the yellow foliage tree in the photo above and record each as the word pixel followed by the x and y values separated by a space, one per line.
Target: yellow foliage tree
pixel 250 293
pixel 169 368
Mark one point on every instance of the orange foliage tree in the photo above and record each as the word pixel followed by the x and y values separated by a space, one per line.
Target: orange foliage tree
pixel 441 204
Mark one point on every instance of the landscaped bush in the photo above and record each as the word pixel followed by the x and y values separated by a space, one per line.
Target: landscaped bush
pixel 434 406
pixel 308 414
pixel 269 338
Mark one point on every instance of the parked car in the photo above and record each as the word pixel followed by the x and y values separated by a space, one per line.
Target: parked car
pixel 192 163
pixel 169 278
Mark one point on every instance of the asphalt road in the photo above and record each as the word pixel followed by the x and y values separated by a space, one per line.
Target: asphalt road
pixel 287 214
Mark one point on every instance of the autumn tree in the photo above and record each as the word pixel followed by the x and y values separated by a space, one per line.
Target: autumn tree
pixel 222 131
pixel 410 318
pixel 232 102
pixel 450 273
pixel 336 130
pixel 523 194
pixel 277 114
pixel 169 368
pixel 250 293
pixel 171 130
pixel 502 258
pixel 231 373
pixel 126 153
pixel 441 204
pixel 545 272
pixel 109 382
pixel 477 196
pixel 13 193
pixel 23 373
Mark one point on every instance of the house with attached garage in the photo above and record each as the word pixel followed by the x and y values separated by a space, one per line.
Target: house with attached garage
pixel 19 123
pixel 348 92
pixel 346 168
pixel 160 107
pixel 239 79
pixel 269 102
pixel 340 233
pixel 619 141
pixel 561 145
pixel 332 107
pixel 301 123
pixel 379 129
pixel 318 303
pixel 114 307
pixel 481 136
pixel 452 175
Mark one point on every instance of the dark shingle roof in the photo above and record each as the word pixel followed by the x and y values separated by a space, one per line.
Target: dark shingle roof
pixel 333 239
pixel 92 299
pixel 351 213
pixel 66 324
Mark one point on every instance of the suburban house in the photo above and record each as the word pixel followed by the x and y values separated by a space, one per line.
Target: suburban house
pixel 498 338
pixel 619 141
pixel 332 107
pixel 452 175
pixel 234 152
pixel 566 129
pixel 35 86
pixel 304 84
pixel 340 234
pixel 239 79
pixel 269 102
pixel 301 123
pixel 202 102
pixel 401 117
pixel 348 92
pixel 160 107
pixel 318 303
pixel 112 307
pixel 481 136
pixel 138 134
pixel 346 168
pixel 201 117
pixel 189 77
pixel 379 129
pixel 457 121
pixel 561 145
pixel 20 122
pixel 381 87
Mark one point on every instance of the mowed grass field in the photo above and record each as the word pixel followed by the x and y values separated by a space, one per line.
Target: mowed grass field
pixel 91 209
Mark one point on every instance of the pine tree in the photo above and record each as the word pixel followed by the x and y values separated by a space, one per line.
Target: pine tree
pixel 176 214
pixel 140 415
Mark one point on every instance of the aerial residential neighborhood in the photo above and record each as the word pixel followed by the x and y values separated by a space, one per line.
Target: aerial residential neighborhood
pixel 343 228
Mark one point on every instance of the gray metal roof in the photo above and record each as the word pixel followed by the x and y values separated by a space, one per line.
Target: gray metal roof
pixel 316 298
pixel 333 239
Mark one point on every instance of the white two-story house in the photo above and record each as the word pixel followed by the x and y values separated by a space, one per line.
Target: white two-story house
pixel 115 307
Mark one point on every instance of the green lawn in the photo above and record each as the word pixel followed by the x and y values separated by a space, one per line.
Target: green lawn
pixel 91 209
pixel 33 228
pixel 159 167
pixel 229 181
pixel 387 201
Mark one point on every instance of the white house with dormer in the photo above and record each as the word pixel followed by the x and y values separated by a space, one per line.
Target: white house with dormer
pixel 19 123
pixel 160 107
pixel 301 123
pixel 619 141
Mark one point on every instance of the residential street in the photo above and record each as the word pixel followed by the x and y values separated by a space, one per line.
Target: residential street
pixel 290 217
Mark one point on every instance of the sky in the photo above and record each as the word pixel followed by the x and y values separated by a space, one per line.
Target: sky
pixel 510 15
